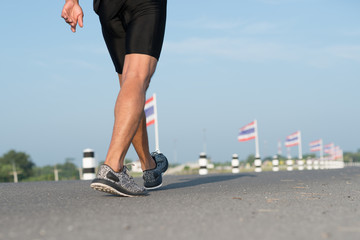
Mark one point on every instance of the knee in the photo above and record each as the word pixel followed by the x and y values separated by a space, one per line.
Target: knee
pixel 139 68
pixel 141 79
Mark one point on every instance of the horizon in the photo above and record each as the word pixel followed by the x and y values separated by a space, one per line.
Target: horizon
pixel 290 64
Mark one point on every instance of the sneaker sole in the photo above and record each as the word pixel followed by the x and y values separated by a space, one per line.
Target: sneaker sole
pixel 152 188
pixel 103 187
pixel 156 187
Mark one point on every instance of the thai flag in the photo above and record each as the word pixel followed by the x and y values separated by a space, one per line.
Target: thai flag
pixel 329 148
pixel 150 111
pixel 338 153
pixel 293 139
pixel 247 132
pixel 315 146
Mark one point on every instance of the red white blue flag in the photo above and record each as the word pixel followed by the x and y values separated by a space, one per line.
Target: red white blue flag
pixel 338 153
pixel 152 117
pixel 329 148
pixel 150 111
pixel 293 139
pixel 247 132
pixel 315 146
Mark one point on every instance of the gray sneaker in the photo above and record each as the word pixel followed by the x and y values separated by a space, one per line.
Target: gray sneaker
pixel 118 183
pixel 153 177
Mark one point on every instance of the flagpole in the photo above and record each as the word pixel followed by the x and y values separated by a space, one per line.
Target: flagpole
pixel 300 148
pixel 288 153
pixel 279 148
pixel 257 152
pixel 156 125
pixel 342 155
pixel 321 150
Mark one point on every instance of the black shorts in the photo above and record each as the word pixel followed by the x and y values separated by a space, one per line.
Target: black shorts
pixel 132 26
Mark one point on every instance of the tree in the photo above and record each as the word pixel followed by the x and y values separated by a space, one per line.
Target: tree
pixel 250 159
pixel 309 155
pixel 352 157
pixel 5 170
pixel 68 170
pixel 21 161
pixel 45 173
pixel 268 158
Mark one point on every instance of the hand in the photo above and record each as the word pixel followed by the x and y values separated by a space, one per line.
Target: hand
pixel 73 14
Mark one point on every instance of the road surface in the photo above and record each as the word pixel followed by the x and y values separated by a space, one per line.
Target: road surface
pixel 316 204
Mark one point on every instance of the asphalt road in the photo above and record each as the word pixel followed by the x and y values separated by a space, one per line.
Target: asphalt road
pixel 321 204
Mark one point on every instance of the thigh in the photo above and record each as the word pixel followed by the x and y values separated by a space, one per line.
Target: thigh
pixel 132 27
pixel 145 26
pixel 112 24
pixel 116 48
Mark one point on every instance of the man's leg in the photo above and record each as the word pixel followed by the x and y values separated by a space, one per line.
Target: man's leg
pixel 130 125
pixel 141 143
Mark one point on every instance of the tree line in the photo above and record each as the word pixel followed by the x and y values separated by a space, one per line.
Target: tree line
pixel 26 170
pixel 21 164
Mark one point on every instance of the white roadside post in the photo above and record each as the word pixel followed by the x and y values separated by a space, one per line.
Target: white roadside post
pixel 275 164
pixel 235 163
pixel 300 164
pixel 203 164
pixel 289 164
pixel 316 164
pixel 322 164
pixel 257 164
pixel 88 164
pixel 309 164
pixel 326 163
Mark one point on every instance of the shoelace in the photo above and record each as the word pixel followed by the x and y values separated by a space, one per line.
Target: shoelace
pixel 126 171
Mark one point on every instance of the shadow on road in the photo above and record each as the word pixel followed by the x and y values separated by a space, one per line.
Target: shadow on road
pixel 199 180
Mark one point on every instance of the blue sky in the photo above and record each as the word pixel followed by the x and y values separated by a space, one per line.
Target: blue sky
pixel 290 64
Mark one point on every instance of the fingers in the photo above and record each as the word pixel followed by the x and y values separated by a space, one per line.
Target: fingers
pixel 72 15
pixel 73 26
pixel 69 21
pixel 66 10
pixel 80 20
pixel 66 17
pixel 64 14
